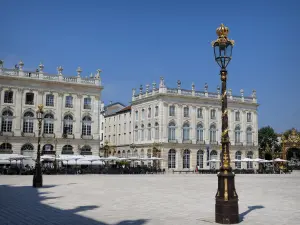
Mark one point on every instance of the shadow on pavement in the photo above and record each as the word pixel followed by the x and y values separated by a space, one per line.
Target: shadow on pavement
pixel 250 208
pixel 21 205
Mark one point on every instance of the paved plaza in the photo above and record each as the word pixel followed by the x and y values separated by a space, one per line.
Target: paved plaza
pixel 169 199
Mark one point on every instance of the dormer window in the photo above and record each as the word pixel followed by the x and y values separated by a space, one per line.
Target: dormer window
pixel 8 96
pixel 29 99
pixel 87 103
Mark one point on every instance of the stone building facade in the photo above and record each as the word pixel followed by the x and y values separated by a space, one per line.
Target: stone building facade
pixel 71 104
pixel 183 127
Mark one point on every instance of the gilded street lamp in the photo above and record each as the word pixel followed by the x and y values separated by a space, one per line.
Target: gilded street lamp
pixel 37 176
pixel 226 208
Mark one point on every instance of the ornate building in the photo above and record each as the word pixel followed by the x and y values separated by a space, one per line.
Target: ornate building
pixel 183 126
pixel 71 105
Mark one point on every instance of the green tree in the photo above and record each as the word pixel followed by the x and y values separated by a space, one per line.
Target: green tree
pixel 267 138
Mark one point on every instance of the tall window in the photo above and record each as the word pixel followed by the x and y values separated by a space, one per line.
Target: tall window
pixel 26 147
pixel 172 159
pixel 213 114
pixel 237 133
pixel 213 156
pixel 237 116
pixel 87 103
pixel 172 110
pixel 8 96
pixel 136 115
pixel 186 159
pixel 86 125
pixel 199 113
pixel 172 131
pixel 142 153
pixel 67 150
pixel 156 131
pixel 123 154
pixel 200 154
pixel 149 153
pixel 186 131
pixel 102 124
pixel 249 135
pixel 156 111
pixel 143 114
pixel 249 117
pixel 136 133
pixel 29 99
pixel 250 164
pixel 69 102
pixel 49 100
pixel 68 124
pixel 149 112
pixel 5 147
pixel 238 156
pixel 7 118
pixel 212 133
pixel 200 132
pixel 28 122
pixel 142 132
pixel 48 124
pixel 125 128
pixel 149 132
pixel 186 112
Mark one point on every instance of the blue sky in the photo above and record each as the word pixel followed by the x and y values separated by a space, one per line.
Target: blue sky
pixel 135 42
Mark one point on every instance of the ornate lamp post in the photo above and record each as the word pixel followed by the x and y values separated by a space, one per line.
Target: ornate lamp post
pixel 37 177
pixel 226 208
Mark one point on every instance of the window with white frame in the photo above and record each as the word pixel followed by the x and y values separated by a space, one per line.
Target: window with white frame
pixel 186 159
pixel 156 131
pixel 213 156
pixel 172 159
pixel 237 116
pixel 172 110
pixel 86 126
pixel 68 124
pixel 249 135
pixel 8 96
pixel 213 133
pixel 143 114
pixel 238 157
pixel 199 113
pixel 237 132
pixel 186 131
pixel 29 98
pixel 250 164
pixel 213 114
pixel 87 103
pixel 249 117
pixel 48 123
pixel 200 157
pixel 171 132
pixel 69 102
pixel 149 132
pixel 186 112
pixel 156 111
pixel 49 100
pixel 7 121
pixel 28 122
pixel 200 132
pixel 149 112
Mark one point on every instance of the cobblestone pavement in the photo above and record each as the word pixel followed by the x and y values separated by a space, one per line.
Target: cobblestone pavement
pixel 169 199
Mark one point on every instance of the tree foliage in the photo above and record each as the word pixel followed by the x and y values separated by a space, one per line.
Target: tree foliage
pixel 267 138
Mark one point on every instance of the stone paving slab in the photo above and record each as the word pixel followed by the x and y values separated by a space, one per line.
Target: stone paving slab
pixel 170 199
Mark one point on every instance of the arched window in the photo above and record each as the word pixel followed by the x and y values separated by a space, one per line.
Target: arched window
pixel 119 154
pixel 135 153
pixel 156 131
pixel 149 132
pixel 6 147
pixel 143 114
pixel 142 132
pixel 238 156
pixel 86 126
pixel 172 131
pixel 48 149
pixel 128 153
pixel 149 112
pixel 200 154
pixel 186 159
pixel 212 133
pixel 249 135
pixel 8 96
pixel 27 147
pixel 199 132
pixel 250 164
pixel 48 123
pixel 172 159
pixel 86 150
pixel 123 154
pixel 213 155
pixel 142 153
pixel 237 132
pixel 28 122
pixel 7 118
pixel 149 153
pixel 68 124
pixel 136 133
pixel 156 111
pixel 67 150
pixel 186 131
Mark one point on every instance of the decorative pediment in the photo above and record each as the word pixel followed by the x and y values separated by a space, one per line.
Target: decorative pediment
pixel 293 139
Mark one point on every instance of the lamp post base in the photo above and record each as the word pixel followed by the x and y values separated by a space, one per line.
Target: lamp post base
pixel 37 180
pixel 226 208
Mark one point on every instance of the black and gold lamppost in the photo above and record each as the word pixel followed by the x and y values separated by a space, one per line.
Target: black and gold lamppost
pixel 37 176
pixel 226 209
